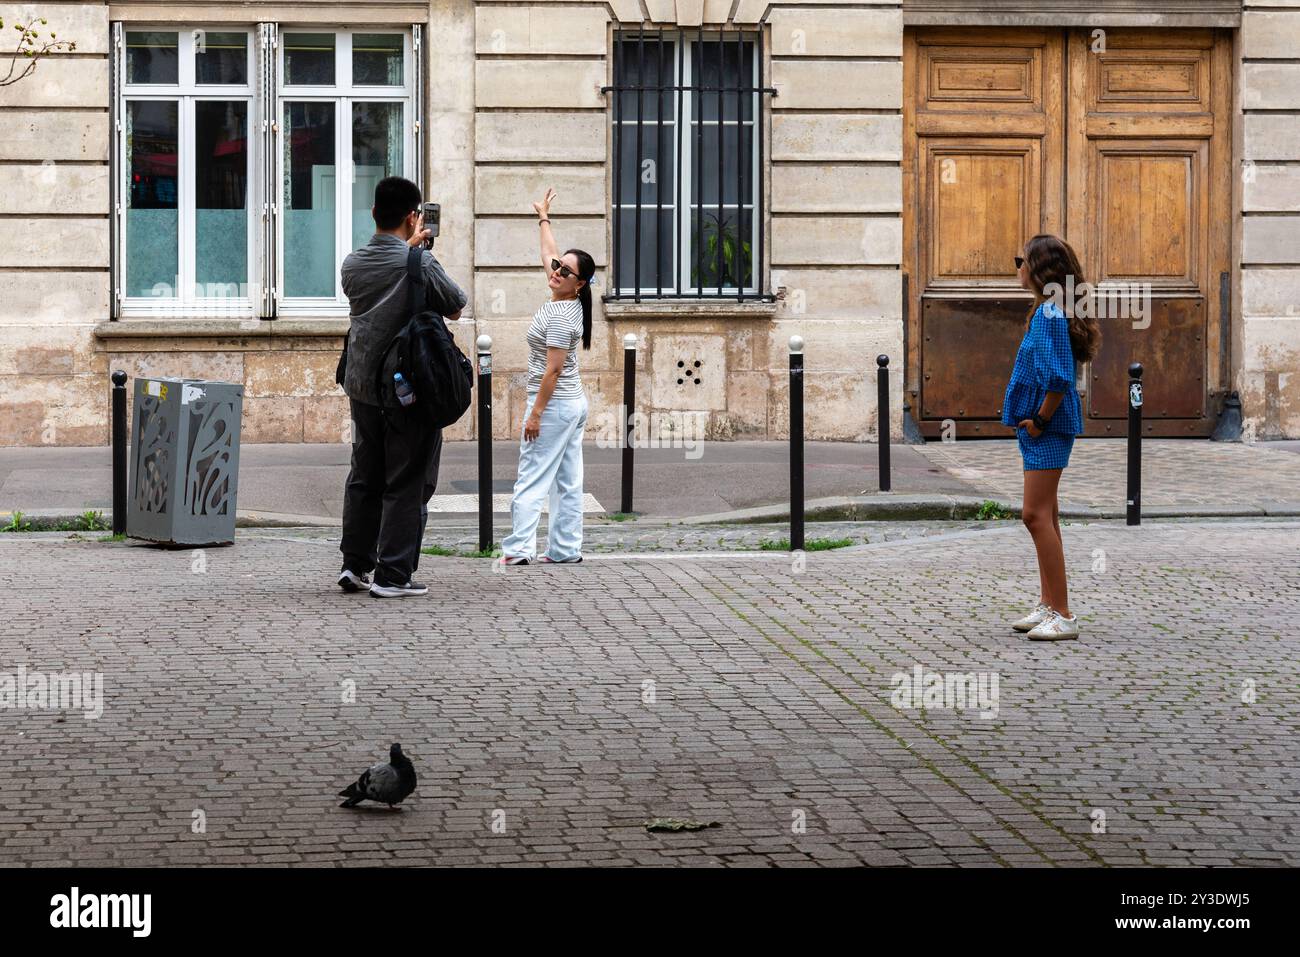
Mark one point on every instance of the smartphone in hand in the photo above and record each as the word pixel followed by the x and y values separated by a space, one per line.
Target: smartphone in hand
pixel 432 221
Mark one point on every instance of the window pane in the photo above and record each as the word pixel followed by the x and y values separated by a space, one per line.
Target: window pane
pixel 151 214
pixel 649 65
pixel 220 57
pixel 737 142
pixel 736 239
pixel 309 59
pixel 656 252
pixel 152 57
pixel 377 59
pixel 309 205
pixel 221 193
pixel 376 153
pixel 717 67
pixel 656 177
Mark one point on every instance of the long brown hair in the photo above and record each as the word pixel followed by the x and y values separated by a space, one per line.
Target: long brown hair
pixel 1051 260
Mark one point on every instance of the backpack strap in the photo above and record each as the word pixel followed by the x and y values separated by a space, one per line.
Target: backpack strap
pixel 415 287
pixel 415 274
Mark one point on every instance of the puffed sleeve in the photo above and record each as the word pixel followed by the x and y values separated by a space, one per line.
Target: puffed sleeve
pixel 1053 355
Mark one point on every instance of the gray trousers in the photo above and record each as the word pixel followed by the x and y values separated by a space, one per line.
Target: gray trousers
pixel 385 503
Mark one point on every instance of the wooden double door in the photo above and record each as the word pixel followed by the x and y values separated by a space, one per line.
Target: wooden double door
pixel 1116 140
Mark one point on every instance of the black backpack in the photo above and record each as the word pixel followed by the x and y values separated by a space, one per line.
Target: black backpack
pixel 427 356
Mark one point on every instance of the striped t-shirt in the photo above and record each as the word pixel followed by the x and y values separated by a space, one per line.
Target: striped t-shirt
pixel 557 325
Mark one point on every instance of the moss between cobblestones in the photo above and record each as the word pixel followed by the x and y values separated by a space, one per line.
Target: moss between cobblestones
pixel 812 545
pixel 454 553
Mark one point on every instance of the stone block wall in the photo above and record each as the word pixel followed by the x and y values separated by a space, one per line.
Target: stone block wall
pixel 1268 338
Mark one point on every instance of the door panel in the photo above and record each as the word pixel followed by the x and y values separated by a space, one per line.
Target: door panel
pixel 983 194
pixel 970 390
pixel 1149 208
pixel 1143 195
pixel 1173 387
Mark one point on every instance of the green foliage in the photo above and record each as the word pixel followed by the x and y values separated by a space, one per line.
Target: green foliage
pixel 445 552
pixel 88 521
pixel 621 516
pixel 17 523
pixel 990 510
pixel 32 47
pixel 812 545
pixel 737 258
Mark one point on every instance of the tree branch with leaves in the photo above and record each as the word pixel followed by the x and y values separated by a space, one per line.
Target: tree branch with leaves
pixel 31 47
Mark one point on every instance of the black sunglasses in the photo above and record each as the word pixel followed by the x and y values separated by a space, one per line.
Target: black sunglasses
pixel 1019 262
pixel 564 271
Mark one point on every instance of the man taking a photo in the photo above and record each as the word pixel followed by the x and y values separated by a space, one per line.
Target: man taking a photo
pixel 394 455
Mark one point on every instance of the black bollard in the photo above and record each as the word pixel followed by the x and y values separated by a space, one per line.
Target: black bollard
pixel 629 404
pixel 1134 503
pixel 882 419
pixel 484 348
pixel 796 443
pixel 119 452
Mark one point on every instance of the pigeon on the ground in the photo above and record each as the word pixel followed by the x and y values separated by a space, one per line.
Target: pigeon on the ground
pixel 389 783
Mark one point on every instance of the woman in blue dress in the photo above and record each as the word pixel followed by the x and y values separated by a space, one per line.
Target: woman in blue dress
pixel 1043 405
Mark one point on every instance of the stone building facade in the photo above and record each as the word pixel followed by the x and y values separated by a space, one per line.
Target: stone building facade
pixel 487 103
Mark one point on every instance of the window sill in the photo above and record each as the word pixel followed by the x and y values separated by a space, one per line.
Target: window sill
pixel 180 327
pixel 688 308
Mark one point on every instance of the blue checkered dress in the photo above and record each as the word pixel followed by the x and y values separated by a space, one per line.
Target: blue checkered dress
pixel 1044 363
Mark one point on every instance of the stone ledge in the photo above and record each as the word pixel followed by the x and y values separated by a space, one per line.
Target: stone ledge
pixel 182 328
pixel 690 309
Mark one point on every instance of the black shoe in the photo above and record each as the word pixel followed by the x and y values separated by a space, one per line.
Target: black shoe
pixel 410 590
pixel 350 581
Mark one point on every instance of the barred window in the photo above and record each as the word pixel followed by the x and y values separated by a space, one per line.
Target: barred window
pixel 687 143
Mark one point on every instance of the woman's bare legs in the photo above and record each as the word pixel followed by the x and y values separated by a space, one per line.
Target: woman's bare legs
pixel 1041 515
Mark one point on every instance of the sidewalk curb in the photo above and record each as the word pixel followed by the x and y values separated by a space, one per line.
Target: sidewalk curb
pixel 855 508
pixel 890 507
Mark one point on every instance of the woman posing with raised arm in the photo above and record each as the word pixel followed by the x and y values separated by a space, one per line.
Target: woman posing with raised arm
pixel 1043 404
pixel 550 452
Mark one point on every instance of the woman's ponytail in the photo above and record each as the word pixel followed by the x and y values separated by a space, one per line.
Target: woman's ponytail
pixel 586 272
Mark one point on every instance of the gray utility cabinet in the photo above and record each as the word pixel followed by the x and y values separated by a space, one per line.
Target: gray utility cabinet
pixel 184 461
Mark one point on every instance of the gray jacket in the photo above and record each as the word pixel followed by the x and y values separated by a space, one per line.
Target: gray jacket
pixel 374 280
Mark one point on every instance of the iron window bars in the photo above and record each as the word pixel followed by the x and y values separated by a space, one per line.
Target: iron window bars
pixel 683 229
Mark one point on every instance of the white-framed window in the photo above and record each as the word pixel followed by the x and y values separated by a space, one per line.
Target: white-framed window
pixel 186 153
pixel 687 190
pixel 343 109
pixel 245 161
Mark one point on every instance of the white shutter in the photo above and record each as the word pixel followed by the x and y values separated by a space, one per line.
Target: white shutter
pixel 117 169
pixel 268 185
pixel 417 103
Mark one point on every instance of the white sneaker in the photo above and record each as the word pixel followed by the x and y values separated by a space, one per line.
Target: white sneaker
pixel 1056 627
pixel 352 582
pixel 410 589
pixel 1035 617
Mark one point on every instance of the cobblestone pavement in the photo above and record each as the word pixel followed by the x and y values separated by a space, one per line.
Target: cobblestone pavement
pixel 639 537
pixel 552 711
pixel 1174 471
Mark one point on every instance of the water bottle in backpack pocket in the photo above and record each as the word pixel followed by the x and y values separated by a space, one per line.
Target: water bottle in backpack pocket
pixel 405 394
